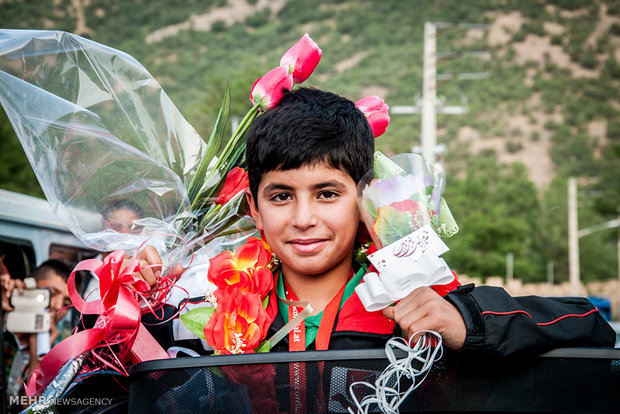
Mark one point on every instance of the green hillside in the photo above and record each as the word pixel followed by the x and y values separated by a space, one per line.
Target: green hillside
pixel 549 108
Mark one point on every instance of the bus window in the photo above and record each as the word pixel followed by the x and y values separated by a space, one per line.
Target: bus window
pixel 18 257
pixel 70 254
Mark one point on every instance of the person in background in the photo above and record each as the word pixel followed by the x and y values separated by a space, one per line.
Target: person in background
pixel 7 284
pixel 53 274
pixel 22 351
pixel 121 216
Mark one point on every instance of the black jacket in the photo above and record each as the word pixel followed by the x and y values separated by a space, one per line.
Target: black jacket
pixel 500 325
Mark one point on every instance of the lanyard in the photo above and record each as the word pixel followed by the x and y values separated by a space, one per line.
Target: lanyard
pixel 297 342
pixel 297 337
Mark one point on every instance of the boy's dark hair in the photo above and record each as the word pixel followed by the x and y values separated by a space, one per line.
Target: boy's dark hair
pixel 309 126
pixel 59 267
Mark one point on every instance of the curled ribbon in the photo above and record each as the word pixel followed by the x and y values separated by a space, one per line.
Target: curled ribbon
pixel 118 322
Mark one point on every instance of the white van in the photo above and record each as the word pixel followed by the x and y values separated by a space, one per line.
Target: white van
pixel 30 233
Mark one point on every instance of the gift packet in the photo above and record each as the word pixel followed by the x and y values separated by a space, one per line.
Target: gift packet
pixel 404 266
pixel 401 204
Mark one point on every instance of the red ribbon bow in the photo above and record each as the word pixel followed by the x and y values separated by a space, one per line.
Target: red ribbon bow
pixel 118 323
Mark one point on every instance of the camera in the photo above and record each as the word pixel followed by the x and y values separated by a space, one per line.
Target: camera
pixel 30 313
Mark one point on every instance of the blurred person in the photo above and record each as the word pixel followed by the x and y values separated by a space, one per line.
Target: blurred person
pixel 53 275
pixel 121 216
pixel 7 284
pixel 22 351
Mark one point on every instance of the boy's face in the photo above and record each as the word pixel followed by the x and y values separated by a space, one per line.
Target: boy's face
pixel 309 217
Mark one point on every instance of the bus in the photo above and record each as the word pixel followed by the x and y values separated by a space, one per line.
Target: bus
pixel 30 233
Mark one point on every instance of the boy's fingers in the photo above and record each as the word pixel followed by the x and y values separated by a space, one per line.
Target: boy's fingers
pixel 178 270
pixel 150 264
pixel 389 312
pixel 147 273
pixel 151 255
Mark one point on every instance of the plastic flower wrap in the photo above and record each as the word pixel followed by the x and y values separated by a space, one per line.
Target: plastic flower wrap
pixel 97 128
pixel 402 206
pixel 115 158
pixel 401 195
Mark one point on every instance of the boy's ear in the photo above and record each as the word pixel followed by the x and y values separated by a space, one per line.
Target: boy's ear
pixel 253 209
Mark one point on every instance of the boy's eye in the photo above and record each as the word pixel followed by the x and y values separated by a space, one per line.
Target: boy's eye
pixel 281 197
pixel 327 195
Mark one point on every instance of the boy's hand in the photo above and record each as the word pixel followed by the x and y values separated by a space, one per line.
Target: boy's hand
pixel 424 309
pixel 151 262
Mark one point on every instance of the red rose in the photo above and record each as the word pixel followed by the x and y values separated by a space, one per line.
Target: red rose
pixel 236 181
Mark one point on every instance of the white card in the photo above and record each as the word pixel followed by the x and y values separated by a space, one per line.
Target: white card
pixel 409 248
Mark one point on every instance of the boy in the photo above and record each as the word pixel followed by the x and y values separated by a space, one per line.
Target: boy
pixel 305 158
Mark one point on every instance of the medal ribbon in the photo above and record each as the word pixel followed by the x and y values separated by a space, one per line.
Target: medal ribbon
pixel 297 342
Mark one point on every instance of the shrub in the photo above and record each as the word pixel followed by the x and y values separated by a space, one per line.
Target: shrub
pixel 513 146
pixel 219 26
pixel 588 59
pixel 615 29
pixel 259 18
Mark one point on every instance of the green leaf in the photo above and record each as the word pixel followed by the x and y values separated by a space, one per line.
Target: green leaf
pixel 196 319
pixel 264 347
pixel 392 224
pixel 213 145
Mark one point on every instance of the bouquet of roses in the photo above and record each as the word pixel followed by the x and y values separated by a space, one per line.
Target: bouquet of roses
pixel 122 168
pixel 401 204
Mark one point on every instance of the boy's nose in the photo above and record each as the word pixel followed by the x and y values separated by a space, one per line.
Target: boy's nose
pixel 304 215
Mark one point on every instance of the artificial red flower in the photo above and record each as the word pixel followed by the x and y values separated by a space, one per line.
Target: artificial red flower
pixel 239 323
pixel 246 269
pixel 268 89
pixel 405 205
pixel 376 111
pixel 236 181
pixel 302 58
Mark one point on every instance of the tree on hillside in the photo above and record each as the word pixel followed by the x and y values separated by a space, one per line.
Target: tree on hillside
pixel 15 171
pixel 497 210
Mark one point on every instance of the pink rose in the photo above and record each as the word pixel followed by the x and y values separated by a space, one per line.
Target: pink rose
pixel 376 112
pixel 268 89
pixel 302 58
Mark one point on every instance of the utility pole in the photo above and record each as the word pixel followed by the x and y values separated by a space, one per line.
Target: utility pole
pixel 429 93
pixel 429 105
pixel 510 258
pixel 573 238
pixel 574 234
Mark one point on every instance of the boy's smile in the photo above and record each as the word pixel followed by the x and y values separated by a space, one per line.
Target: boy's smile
pixel 310 218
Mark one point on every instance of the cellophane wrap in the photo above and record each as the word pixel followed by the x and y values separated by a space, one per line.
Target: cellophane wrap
pixel 402 194
pixel 99 130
